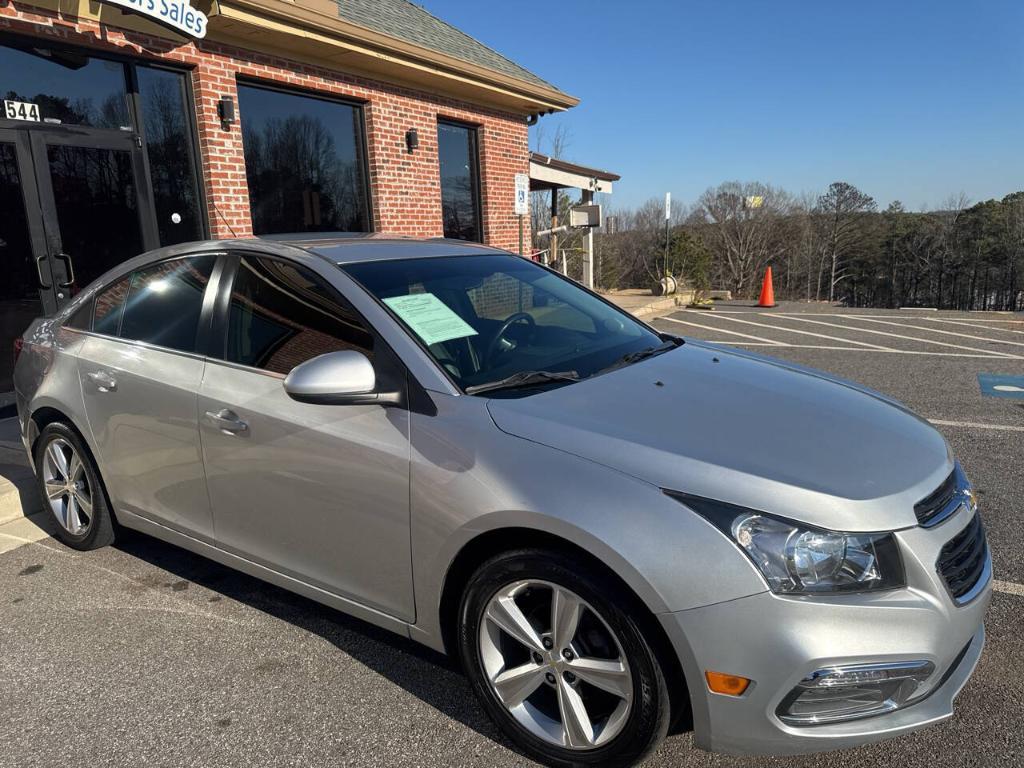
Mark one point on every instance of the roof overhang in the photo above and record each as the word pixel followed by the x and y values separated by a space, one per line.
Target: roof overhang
pixel 311 31
pixel 551 173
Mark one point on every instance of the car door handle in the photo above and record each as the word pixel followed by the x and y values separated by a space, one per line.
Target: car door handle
pixel 104 381
pixel 226 420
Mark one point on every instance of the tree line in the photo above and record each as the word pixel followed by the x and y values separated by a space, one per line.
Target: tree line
pixel 835 246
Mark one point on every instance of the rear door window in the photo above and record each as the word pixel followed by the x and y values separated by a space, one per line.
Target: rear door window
pixel 164 302
pixel 109 307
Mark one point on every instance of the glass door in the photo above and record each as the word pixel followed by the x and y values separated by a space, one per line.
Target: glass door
pixel 73 205
pixel 95 205
pixel 23 265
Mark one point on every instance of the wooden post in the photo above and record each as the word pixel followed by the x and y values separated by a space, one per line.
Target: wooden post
pixel 586 198
pixel 553 252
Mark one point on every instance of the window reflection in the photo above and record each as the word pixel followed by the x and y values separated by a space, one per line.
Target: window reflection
pixel 69 87
pixel 168 143
pixel 94 192
pixel 460 181
pixel 282 315
pixel 109 306
pixel 165 301
pixel 304 163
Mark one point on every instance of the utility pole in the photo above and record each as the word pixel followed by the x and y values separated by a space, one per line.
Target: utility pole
pixel 668 215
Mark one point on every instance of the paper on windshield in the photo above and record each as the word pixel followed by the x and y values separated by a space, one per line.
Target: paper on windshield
pixel 430 318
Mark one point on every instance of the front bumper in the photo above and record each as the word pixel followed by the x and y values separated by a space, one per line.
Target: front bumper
pixel 778 641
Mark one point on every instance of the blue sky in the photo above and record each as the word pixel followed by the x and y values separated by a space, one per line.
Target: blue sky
pixel 906 99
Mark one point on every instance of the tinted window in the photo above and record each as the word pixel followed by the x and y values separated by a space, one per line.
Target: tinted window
pixel 68 87
pixel 81 318
pixel 460 181
pixel 164 303
pixel 283 314
pixel 110 307
pixel 94 194
pixel 304 162
pixel 169 145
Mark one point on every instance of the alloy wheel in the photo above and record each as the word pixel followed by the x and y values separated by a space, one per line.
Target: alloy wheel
pixel 555 664
pixel 67 487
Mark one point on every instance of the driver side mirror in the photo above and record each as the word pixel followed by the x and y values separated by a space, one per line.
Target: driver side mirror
pixel 337 378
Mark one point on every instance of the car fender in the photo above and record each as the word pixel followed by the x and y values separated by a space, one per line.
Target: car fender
pixel 470 479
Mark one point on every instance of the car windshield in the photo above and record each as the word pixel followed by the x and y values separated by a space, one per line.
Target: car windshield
pixel 493 317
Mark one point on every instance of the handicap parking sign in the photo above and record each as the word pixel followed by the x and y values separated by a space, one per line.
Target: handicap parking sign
pixel 522 192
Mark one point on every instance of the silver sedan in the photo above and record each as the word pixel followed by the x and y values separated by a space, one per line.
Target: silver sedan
pixel 614 530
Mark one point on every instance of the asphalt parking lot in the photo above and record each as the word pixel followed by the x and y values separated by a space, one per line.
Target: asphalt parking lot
pixel 143 654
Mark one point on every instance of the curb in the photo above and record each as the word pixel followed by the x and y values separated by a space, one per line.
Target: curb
pixel 659 307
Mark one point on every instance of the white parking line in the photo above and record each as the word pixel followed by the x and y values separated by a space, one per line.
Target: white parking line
pixel 768 342
pixel 988 353
pixel 977 324
pixel 976 425
pixel 787 345
pixel 1008 586
pixel 937 330
pixel 886 317
pixel 804 333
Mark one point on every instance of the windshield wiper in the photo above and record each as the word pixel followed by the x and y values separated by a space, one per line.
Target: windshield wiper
pixel 642 354
pixel 524 379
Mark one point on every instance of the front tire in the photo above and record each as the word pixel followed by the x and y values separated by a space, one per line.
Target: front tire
pixel 559 663
pixel 71 489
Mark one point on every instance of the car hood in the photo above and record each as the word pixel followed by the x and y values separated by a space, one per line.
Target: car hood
pixel 748 430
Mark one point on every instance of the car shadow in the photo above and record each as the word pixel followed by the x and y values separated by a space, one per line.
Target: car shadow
pixel 431 677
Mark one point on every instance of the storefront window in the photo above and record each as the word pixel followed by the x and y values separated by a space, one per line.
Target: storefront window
pixel 304 162
pixel 162 95
pixel 460 181
pixel 69 88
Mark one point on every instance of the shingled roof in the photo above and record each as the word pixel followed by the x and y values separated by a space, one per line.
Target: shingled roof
pixel 407 21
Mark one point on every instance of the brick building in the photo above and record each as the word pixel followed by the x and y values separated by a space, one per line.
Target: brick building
pixel 130 124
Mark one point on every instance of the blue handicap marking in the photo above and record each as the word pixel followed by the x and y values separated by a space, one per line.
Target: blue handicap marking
pixel 997 385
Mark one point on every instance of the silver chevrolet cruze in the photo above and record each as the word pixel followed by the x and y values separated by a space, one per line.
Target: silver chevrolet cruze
pixel 617 531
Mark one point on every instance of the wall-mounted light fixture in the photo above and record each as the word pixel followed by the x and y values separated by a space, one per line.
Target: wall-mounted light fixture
pixel 412 139
pixel 226 112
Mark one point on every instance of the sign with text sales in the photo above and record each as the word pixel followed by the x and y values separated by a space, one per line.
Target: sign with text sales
pixel 176 14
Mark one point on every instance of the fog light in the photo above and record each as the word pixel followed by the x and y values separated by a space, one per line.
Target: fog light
pixel 849 692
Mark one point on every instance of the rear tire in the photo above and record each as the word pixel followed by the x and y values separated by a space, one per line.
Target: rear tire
pixel 577 684
pixel 72 491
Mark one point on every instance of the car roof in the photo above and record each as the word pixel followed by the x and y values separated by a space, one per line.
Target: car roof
pixel 350 248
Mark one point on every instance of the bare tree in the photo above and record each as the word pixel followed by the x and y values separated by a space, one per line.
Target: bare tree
pixel 842 210
pixel 743 228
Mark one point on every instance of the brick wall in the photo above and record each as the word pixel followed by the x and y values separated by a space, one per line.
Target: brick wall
pixel 405 188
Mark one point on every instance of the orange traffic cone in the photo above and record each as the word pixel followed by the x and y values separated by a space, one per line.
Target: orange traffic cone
pixel 767 291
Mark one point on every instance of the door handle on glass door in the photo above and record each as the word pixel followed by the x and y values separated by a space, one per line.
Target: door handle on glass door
pixel 39 271
pixel 69 268
pixel 104 381
pixel 226 420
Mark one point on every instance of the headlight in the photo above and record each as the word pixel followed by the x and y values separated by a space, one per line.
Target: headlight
pixel 798 559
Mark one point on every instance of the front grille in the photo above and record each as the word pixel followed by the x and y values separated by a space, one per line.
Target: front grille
pixel 933 505
pixel 962 560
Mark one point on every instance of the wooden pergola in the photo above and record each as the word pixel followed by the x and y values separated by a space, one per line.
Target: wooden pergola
pixel 549 173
